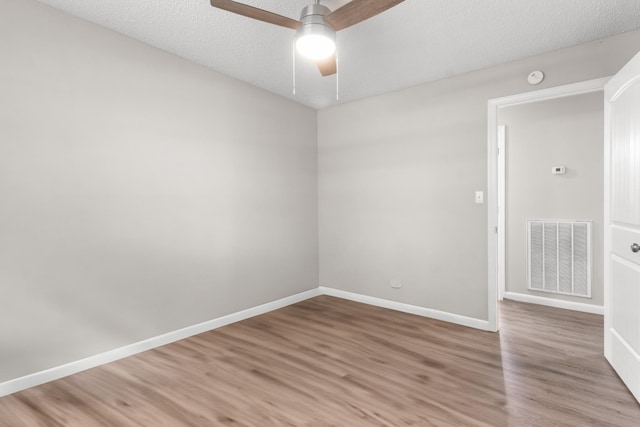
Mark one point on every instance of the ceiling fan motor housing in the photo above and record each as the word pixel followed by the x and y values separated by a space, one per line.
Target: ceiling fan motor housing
pixel 312 18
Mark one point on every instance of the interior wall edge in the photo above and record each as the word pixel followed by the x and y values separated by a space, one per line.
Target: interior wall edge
pixel 458 319
pixel 557 303
pixel 58 372
pixel 140 202
pixel 41 377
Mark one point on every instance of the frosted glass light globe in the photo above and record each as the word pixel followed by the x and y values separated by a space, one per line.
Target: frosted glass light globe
pixel 315 46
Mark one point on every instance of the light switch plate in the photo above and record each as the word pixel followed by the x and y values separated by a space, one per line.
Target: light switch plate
pixel 479 197
pixel 559 170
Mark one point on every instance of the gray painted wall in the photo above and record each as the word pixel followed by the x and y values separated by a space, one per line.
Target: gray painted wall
pixel 140 193
pixel 566 131
pixel 398 172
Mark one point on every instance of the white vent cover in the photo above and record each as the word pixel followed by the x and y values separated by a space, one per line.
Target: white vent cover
pixel 559 257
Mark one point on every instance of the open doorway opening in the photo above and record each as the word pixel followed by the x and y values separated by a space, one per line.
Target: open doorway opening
pixel 498 224
pixel 552 199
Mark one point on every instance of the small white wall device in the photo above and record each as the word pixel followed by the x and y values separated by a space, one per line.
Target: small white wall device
pixel 535 77
pixel 559 170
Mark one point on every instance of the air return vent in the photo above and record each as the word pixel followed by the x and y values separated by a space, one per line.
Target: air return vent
pixel 559 257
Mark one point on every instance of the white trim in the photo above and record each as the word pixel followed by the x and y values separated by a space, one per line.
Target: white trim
pixel 37 378
pixel 58 372
pixel 492 217
pixel 502 207
pixel 493 105
pixel 563 91
pixel 557 303
pixel 407 308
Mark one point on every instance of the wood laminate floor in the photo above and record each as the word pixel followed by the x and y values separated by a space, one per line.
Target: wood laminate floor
pixel 331 362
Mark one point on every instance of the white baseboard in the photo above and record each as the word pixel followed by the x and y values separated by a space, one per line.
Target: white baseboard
pixel 557 303
pixel 37 378
pixel 408 308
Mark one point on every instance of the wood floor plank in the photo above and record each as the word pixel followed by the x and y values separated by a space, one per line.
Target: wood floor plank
pixel 331 362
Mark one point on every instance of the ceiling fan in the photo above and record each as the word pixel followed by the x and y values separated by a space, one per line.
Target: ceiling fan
pixel 316 29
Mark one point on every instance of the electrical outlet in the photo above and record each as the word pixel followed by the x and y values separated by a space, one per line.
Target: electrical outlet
pixel 396 283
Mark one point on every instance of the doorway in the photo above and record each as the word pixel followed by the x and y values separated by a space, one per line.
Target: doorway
pixel 496 180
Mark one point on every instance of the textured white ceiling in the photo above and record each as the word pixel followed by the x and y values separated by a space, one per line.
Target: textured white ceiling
pixel 415 42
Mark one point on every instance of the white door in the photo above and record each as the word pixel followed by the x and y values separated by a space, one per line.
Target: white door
pixel 622 224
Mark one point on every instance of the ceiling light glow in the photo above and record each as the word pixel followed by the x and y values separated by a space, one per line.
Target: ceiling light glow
pixel 315 46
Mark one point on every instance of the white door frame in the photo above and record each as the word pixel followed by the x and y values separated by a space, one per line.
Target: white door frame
pixel 501 144
pixel 496 265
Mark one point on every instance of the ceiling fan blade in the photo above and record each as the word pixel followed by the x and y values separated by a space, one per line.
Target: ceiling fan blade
pixel 357 11
pixel 327 66
pixel 255 13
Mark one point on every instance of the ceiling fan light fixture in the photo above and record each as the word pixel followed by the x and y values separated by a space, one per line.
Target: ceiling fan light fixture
pixel 315 46
pixel 315 39
pixel 316 29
